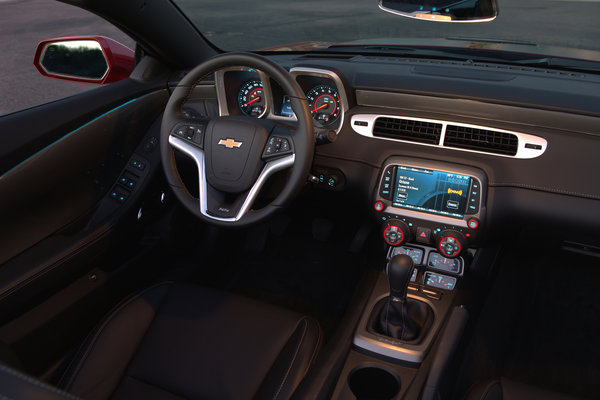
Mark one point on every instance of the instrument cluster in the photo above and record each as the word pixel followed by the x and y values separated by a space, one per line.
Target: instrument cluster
pixel 246 91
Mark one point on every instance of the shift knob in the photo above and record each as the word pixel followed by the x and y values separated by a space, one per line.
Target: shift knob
pixel 400 269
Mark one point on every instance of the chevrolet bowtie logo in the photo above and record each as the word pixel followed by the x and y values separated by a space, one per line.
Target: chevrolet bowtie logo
pixel 230 143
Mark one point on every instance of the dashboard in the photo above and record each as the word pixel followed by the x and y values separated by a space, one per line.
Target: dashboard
pixel 526 137
pixel 246 91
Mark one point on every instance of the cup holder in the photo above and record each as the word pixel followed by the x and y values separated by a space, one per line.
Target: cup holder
pixel 373 383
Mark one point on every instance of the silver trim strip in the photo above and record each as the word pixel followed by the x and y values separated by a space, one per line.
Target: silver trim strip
pixel 523 138
pixel 269 112
pixel 439 166
pixel 197 155
pixel 388 346
pixel 324 73
pixel 222 95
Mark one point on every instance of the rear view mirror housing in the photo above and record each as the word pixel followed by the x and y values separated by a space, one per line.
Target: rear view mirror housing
pixel 90 59
pixel 443 10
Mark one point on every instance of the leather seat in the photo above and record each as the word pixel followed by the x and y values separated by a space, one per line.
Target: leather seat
pixel 506 389
pixel 175 341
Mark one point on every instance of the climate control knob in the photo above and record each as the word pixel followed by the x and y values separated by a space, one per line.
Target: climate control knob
pixel 451 243
pixel 395 232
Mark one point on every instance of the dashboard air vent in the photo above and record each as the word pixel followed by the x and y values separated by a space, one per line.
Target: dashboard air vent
pixel 489 141
pixel 408 129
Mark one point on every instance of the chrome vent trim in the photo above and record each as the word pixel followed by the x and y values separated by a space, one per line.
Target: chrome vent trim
pixel 407 129
pixel 485 140
pixel 477 139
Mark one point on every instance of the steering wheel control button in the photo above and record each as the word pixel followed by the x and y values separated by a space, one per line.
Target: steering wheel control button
pixel 473 223
pixel 423 235
pixel 379 206
pixel 277 146
pixel 191 132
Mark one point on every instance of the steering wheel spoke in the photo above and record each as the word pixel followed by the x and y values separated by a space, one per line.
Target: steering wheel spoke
pixel 221 206
pixel 236 155
pixel 225 207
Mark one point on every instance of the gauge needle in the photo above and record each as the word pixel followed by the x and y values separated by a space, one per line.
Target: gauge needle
pixel 252 101
pixel 318 108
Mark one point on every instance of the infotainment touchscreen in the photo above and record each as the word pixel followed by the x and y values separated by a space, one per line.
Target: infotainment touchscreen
pixel 431 191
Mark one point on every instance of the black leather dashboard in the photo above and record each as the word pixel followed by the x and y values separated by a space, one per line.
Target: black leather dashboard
pixel 558 187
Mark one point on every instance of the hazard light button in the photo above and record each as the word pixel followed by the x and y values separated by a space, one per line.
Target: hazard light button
pixel 423 235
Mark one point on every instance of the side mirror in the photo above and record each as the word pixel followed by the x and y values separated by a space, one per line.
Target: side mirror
pixel 443 10
pixel 91 59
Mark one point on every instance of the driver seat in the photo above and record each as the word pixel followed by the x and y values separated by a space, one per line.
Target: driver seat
pixel 175 341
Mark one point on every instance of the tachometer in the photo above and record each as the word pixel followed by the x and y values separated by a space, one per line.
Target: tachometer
pixel 251 98
pixel 324 104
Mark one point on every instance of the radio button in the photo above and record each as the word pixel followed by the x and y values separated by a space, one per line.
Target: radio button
pixel 385 190
pixel 474 197
pixel 473 223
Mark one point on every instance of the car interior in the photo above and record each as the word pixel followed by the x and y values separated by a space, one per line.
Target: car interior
pixel 347 223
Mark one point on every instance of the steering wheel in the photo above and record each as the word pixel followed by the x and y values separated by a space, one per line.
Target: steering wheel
pixel 236 155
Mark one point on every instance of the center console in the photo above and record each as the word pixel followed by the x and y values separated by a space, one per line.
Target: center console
pixel 431 203
pixel 431 216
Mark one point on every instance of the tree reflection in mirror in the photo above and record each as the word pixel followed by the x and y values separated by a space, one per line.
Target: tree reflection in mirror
pixel 443 10
pixel 78 58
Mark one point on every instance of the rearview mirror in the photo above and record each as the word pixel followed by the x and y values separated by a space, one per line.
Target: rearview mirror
pixel 91 59
pixel 443 10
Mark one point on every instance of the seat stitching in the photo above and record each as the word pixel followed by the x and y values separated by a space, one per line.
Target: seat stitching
pixel 316 349
pixel 35 382
pixel 285 377
pixel 93 341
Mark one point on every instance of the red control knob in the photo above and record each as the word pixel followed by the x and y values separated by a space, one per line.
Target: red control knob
pixel 395 232
pixel 451 243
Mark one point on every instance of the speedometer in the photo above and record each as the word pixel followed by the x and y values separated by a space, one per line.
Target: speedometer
pixel 251 98
pixel 324 104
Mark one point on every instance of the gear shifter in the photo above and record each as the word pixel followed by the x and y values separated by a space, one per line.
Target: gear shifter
pixel 401 318
pixel 400 269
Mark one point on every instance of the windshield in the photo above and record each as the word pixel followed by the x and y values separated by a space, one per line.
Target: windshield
pixel 550 27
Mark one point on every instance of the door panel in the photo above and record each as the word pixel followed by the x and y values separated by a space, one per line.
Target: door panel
pixel 58 162
pixel 63 181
